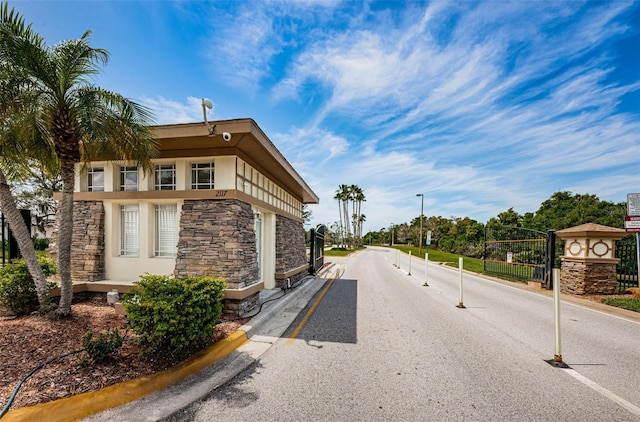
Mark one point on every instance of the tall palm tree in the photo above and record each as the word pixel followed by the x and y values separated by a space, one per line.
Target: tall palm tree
pixel 344 196
pixel 357 196
pixel 361 219
pixel 81 120
pixel 338 197
pixel 14 152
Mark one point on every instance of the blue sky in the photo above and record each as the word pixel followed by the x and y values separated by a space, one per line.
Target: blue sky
pixel 481 106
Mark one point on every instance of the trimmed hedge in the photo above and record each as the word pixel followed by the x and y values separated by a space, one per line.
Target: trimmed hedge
pixel 172 314
pixel 17 289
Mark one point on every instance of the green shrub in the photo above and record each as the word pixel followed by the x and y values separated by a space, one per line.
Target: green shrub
pixel 17 289
pixel 104 346
pixel 173 314
pixel 40 243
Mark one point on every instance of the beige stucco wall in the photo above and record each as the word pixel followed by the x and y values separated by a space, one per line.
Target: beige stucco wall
pixel 129 268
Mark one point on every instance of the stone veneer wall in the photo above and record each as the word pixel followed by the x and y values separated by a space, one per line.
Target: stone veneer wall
pixel 217 238
pixel 291 252
pixel 584 278
pixel 87 247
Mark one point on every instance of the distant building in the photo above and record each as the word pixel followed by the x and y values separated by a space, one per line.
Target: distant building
pixel 230 208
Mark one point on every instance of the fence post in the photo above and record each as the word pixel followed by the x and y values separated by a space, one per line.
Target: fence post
pixel 550 262
pixel 638 256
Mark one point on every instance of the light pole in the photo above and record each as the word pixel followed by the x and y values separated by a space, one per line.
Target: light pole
pixel 421 195
pixel 391 234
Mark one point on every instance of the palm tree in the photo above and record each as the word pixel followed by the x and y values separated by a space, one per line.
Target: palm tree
pixel 345 196
pixel 338 197
pixel 361 219
pixel 81 120
pixel 357 195
pixel 14 152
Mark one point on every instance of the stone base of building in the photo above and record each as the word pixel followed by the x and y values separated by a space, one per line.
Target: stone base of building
pixel 290 278
pixel 588 278
pixel 241 307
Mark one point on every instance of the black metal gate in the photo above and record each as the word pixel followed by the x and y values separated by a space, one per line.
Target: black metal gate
pixel 627 268
pixel 520 253
pixel 316 254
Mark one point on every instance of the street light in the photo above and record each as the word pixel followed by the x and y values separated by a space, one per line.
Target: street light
pixel 391 234
pixel 421 195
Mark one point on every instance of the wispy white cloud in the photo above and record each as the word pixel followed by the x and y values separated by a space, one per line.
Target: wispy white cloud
pixel 172 111
pixel 510 96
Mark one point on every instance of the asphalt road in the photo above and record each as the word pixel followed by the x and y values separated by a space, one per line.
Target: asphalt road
pixel 380 346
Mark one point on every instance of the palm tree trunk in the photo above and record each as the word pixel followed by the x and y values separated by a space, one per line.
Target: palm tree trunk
pixel 21 233
pixel 65 237
pixel 340 227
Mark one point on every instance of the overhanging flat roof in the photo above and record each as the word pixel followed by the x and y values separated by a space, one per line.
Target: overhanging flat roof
pixel 248 142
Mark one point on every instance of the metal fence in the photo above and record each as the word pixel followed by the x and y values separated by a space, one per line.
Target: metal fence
pixel 316 259
pixel 516 252
pixel 627 269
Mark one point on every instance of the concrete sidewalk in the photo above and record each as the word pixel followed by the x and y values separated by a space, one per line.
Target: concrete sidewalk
pixel 159 396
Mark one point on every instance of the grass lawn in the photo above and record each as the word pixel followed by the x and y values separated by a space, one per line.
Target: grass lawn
pixel 470 264
pixel 341 251
pixel 630 303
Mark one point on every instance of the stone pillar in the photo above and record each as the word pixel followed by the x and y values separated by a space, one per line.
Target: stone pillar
pixel 217 238
pixel 589 263
pixel 291 252
pixel 87 247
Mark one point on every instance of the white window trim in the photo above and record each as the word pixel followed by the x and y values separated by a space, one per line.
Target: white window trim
pixel 129 241
pixel 122 180
pixel 157 185
pixel 203 186
pixel 160 251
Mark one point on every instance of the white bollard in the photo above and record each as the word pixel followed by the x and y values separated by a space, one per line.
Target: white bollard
pixel 557 357
pixel 461 304
pixel 409 273
pixel 426 267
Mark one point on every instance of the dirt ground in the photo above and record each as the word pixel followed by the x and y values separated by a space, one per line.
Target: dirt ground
pixel 29 341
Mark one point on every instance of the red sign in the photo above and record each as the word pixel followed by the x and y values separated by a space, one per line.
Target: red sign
pixel 632 224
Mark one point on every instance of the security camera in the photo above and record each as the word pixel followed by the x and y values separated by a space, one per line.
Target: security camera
pixel 226 136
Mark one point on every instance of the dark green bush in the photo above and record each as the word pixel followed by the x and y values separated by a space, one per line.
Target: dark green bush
pixel 17 289
pixel 104 346
pixel 173 314
pixel 40 243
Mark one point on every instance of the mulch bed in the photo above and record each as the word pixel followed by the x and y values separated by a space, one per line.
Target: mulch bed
pixel 30 341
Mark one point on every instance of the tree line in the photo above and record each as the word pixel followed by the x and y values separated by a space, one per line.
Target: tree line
pixel 465 236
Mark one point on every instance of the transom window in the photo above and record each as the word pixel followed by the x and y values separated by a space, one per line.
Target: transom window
pixel 129 178
pixel 165 177
pixel 95 179
pixel 202 176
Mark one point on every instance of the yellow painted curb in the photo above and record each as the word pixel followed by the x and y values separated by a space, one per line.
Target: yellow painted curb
pixel 83 405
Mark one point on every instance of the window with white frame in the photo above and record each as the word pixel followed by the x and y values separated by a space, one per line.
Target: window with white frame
pixel 165 177
pixel 166 230
pixel 202 176
pixel 129 230
pixel 95 179
pixel 129 178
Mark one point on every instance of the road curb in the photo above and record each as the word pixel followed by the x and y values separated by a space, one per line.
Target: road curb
pixel 92 403
pixel 86 404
